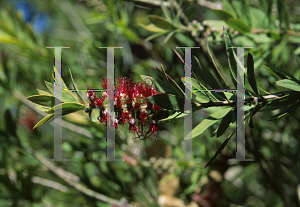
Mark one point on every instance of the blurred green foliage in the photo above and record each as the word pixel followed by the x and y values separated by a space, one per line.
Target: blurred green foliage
pixel 147 31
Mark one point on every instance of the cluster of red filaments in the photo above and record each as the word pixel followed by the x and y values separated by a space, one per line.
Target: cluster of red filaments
pixel 130 106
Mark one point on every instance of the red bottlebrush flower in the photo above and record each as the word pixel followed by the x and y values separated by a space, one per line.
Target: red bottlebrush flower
pixel 156 108
pixel 143 115
pixel 104 83
pixel 103 116
pixel 153 127
pixel 131 106
pixel 116 124
pixel 99 102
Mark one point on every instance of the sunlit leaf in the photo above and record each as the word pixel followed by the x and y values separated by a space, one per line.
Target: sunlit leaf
pixel 44 120
pixel 209 121
pixel 290 84
pixel 153 28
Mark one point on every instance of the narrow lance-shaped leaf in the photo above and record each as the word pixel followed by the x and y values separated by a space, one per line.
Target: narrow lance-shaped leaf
pixel 223 14
pixel 173 83
pixel 44 120
pixel 207 77
pixel 76 90
pixel 231 59
pixel 285 100
pixel 220 149
pixel 43 108
pixel 57 75
pixel 66 96
pixel 239 25
pixel 50 87
pixel 153 28
pixel 209 121
pixel 67 108
pixel 44 92
pixel 250 73
pixel 43 100
pixel 253 112
pixel 280 73
pixel 290 84
pixel 285 112
pixel 210 54
pixel 161 22
pixel 224 124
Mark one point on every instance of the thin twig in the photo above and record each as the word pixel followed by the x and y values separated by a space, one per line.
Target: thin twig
pixel 69 178
pixel 252 100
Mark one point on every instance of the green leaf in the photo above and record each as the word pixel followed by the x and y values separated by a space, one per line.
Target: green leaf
pixel 173 115
pixel 184 39
pixel 67 108
pixel 206 75
pixel 153 28
pixel 173 83
pixel 75 88
pixel 163 115
pixel 153 36
pixel 50 87
pixel 64 86
pixel 227 6
pixel 285 112
pixel 43 100
pixel 290 84
pixel 170 102
pixel 250 73
pixel 161 22
pixel 209 121
pixel 210 54
pixel 43 108
pixel 239 25
pixel 208 78
pixel 200 97
pixel 280 73
pixel 246 11
pixel 44 120
pixel 220 149
pixel 44 92
pixel 67 97
pixel 223 14
pixel 224 124
pixel 158 84
pixel 285 100
pixel 170 35
pixel 231 59
pixel 253 112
